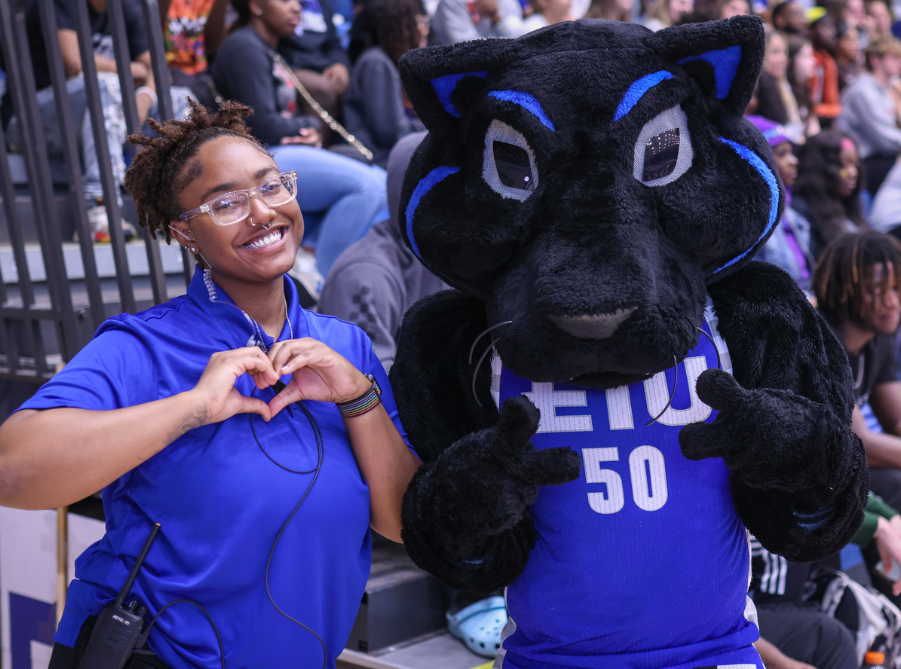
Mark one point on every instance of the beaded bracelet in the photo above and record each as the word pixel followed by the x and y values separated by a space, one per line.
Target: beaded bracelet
pixel 364 403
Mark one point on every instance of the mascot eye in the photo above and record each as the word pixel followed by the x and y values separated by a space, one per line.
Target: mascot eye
pixel 660 155
pixel 508 166
pixel 513 166
pixel 663 151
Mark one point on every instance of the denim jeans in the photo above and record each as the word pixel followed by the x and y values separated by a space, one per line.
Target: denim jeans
pixel 350 195
pixel 113 121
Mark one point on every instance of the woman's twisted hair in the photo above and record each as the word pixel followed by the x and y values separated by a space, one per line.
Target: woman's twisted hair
pixel 157 174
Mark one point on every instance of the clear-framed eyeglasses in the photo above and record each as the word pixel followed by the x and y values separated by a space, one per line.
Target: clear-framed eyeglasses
pixel 234 206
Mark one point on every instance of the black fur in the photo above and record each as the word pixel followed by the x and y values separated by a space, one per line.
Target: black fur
pixel 509 472
pixel 785 431
pixel 658 246
pixel 593 239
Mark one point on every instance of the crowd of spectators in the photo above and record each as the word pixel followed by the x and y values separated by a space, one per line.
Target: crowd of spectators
pixel 834 67
pixel 828 100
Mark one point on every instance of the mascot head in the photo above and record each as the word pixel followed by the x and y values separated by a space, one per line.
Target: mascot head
pixel 587 181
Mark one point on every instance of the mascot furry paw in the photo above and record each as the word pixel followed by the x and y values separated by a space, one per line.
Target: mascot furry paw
pixel 595 196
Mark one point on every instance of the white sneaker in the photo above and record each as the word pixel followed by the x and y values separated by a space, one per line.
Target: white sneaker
pixel 305 271
pixel 98 219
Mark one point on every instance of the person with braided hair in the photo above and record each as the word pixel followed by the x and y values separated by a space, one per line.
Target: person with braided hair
pixel 215 414
pixel 857 291
pixel 376 110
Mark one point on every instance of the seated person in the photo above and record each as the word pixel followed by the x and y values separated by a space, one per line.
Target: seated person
pixel 775 99
pixel 374 109
pixel 788 17
pixel 377 279
pixel 193 30
pixel 666 13
pixel 824 82
pixel 827 190
pixel 870 110
pixel 856 285
pixel 314 52
pixel 878 20
pixel 351 194
pixel 801 67
pixel 885 214
pixel 729 8
pixel 110 94
pixel 789 246
pixel 848 54
pixel 462 20
pixel 613 10
pixel 795 632
pixel 549 12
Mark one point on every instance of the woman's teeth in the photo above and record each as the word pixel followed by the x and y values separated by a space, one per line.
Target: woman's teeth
pixel 268 240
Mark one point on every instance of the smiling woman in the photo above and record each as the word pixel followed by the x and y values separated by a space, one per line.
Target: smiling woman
pixel 152 411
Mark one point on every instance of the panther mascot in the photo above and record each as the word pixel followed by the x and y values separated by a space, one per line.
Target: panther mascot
pixel 595 197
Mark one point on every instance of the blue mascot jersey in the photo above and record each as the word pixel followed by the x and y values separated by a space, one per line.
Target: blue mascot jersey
pixel 642 563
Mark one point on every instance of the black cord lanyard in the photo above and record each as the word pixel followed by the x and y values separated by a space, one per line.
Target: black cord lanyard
pixel 321 454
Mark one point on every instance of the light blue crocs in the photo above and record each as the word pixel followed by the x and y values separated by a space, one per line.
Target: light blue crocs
pixel 479 625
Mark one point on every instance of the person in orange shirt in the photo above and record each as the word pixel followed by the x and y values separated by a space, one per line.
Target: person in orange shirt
pixel 193 31
pixel 824 82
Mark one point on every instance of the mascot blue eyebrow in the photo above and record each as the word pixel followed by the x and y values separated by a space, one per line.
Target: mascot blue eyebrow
pixel 614 393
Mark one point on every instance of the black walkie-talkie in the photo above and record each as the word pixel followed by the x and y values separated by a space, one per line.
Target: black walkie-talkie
pixel 118 625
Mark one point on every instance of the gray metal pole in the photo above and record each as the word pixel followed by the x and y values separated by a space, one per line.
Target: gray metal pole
pixel 110 189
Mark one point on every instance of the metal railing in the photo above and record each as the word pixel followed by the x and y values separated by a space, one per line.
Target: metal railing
pixel 35 320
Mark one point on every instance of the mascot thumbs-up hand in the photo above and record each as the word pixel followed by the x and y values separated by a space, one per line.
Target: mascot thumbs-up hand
pixel 510 471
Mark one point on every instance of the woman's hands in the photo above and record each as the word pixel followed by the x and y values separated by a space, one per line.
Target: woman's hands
pixel 318 374
pixel 82 451
pixel 215 392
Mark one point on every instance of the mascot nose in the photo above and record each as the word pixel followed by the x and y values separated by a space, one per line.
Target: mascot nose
pixel 600 326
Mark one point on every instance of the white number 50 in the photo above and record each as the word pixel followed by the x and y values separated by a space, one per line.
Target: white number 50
pixel 647 470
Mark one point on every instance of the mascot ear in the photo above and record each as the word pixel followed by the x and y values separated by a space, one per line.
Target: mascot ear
pixel 724 57
pixel 441 82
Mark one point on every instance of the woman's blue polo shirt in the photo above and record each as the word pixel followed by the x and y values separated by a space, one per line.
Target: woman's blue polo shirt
pixel 219 499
